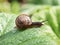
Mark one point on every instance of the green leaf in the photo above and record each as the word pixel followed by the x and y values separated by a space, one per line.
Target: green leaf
pixel 58 20
pixel 31 36
pixel 53 18
pixel 6 22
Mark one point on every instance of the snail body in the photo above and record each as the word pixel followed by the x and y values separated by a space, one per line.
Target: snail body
pixel 24 21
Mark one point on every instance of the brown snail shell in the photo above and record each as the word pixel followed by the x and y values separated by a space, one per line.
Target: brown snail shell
pixel 23 21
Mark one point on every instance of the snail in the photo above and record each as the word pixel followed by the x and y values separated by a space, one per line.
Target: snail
pixel 24 21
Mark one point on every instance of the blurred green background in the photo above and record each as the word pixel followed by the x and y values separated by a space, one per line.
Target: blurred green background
pixel 15 6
